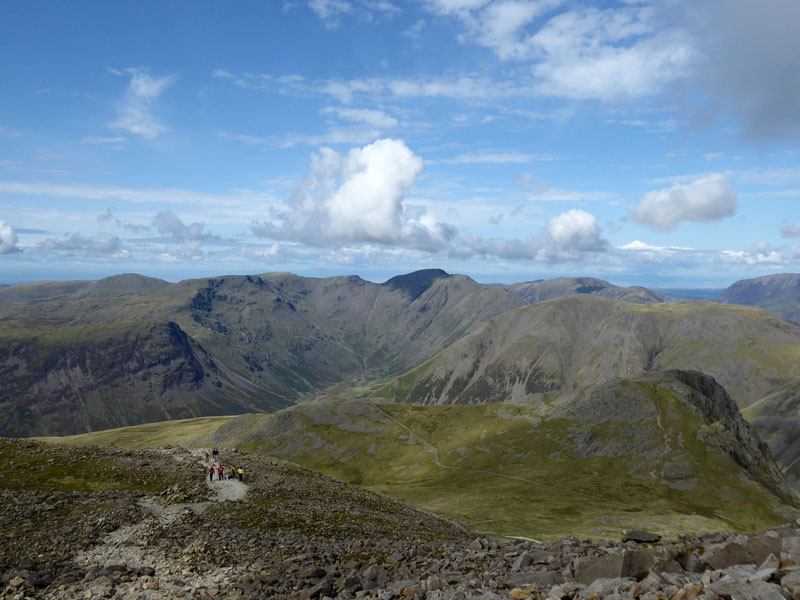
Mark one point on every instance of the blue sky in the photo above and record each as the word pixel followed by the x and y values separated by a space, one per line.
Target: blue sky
pixel 639 142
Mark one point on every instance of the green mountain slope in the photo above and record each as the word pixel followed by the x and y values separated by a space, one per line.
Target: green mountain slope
pixel 669 452
pixel 779 294
pixel 271 339
pixel 549 289
pixel 582 340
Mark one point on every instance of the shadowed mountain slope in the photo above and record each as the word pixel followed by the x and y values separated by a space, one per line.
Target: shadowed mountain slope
pixel 582 340
pixel 668 451
pixel 60 380
pixel 548 289
pixel 259 341
pixel 779 294
pixel 777 419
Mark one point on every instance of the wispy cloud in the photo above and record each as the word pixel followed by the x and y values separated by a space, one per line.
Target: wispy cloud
pixel 6 131
pixel 496 157
pixel 136 111
pixel 371 117
pixel 75 244
pixel 135 195
pixel 106 143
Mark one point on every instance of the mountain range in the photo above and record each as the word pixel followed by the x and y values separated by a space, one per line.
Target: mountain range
pixel 91 355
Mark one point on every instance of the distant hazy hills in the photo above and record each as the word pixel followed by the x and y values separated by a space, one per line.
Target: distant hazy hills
pixel 779 294
pixel 548 289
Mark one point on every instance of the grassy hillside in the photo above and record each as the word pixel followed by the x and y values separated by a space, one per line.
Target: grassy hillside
pixel 659 453
pixel 583 340
pixel 181 432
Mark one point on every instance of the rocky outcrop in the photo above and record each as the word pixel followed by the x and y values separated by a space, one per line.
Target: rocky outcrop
pixel 85 378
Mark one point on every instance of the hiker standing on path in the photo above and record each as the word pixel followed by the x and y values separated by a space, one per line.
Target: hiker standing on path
pixel 206 455
pixel 241 474
pixel 215 452
pixel 211 473
pixel 220 472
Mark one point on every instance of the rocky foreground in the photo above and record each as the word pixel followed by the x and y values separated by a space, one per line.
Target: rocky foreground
pixel 105 523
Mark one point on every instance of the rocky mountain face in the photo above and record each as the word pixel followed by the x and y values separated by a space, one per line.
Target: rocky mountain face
pixel 148 524
pixel 777 419
pixel 577 341
pixel 79 356
pixel 61 380
pixel 548 289
pixel 668 451
pixel 779 294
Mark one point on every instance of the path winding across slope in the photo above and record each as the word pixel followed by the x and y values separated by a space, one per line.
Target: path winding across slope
pixel 129 545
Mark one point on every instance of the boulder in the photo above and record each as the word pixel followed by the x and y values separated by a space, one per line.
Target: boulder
pixel 727 556
pixel 540 578
pixel 637 563
pixel 640 536
pixel 761 546
pixel 742 590
pixel 603 567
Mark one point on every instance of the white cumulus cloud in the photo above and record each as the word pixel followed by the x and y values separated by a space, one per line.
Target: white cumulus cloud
pixel 576 230
pixel 570 236
pixel 359 198
pixel 8 239
pixel 704 200
pixel 136 110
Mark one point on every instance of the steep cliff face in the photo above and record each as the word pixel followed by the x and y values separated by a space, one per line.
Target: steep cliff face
pixel 726 428
pixel 56 380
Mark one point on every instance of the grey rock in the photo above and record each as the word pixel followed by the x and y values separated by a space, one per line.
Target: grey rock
pixel 540 578
pixel 761 546
pixel 522 561
pixel 791 578
pixel 728 556
pixel 755 590
pixel 640 536
pixel 638 563
pixel 604 567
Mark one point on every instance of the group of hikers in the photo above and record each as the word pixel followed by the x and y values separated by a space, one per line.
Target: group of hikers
pixel 220 470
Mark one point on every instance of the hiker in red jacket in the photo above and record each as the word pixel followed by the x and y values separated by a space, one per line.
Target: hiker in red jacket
pixel 211 473
pixel 219 473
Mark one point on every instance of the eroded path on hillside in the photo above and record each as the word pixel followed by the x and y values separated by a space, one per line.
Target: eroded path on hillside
pixel 133 546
